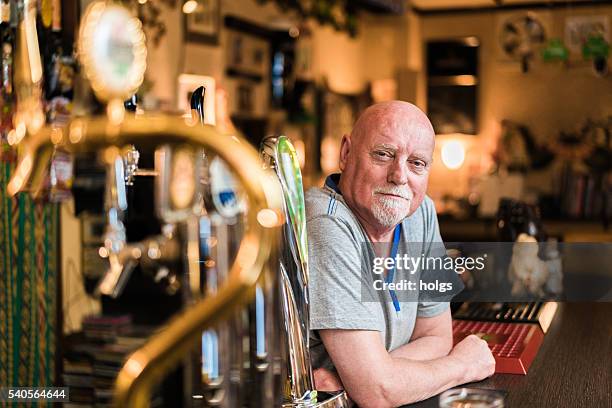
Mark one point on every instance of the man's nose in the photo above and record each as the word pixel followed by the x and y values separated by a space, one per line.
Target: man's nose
pixel 398 172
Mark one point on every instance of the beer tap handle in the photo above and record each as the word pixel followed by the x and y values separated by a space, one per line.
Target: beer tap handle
pixel 115 236
pixel 120 268
pixel 131 155
pixel 131 104
pixel 130 161
pixel 197 103
pixel 116 198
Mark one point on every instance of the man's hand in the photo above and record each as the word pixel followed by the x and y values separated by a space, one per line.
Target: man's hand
pixel 475 356
pixel 326 380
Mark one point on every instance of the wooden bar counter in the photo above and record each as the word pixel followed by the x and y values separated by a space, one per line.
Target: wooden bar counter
pixel 573 367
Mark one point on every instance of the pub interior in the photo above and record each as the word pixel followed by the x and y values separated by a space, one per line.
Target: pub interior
pixel 155 156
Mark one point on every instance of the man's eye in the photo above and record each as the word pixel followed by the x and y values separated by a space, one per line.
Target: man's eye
pixel 380 154
pixel 418 165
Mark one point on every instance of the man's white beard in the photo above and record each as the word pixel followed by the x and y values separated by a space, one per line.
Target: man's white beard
pixel 389 212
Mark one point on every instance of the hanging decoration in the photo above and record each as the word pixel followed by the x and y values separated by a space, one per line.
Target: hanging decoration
pixel 149 12
pixel 597 49
pixel 555 51
pixel 340 14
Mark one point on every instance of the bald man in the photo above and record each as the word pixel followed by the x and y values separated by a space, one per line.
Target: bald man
pixel 384 353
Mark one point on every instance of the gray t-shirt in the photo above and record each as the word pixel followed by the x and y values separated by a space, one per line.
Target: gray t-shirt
pixel 336 242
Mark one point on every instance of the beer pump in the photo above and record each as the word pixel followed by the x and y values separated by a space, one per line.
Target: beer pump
pixel 220 224
pixel 278 154
pixel 27 77
pixel 210 187
pixel 164 350
pixel 28 74
pixel 178 146
pixel 260 322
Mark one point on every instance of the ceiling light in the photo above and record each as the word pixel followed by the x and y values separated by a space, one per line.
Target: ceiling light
pixel 190 6
pixel 453 154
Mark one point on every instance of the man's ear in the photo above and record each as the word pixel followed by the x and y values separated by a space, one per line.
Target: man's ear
pixel 345 147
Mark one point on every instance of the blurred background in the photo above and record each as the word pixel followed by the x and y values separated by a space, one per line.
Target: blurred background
pixel 518 91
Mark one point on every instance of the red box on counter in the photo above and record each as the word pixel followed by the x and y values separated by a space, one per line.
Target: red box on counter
pixel 514 345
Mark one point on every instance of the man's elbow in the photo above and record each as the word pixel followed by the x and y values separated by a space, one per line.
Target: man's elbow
pixel 378 394
pixel 373 395
pixel 382 396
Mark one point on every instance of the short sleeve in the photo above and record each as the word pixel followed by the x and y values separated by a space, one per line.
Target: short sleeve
pixel 435 247
pixel 336 280
pixel 431 309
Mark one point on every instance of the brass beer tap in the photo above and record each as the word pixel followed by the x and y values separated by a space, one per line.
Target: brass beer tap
pixel 163 351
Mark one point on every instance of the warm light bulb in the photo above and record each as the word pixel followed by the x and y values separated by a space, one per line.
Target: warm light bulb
pixel 190 6
pixel 115 111
pixel 56 135
pixel 20 131
pixel 300 149
pixel 268 218
pixel 453 154
pixel 11 138
pixel 183 182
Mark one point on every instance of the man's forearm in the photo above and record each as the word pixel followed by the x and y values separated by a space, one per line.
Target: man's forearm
pixel 373 377
pixel 424 348
pixel 430 378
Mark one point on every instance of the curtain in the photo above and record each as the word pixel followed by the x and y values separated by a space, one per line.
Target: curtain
pixel 28 287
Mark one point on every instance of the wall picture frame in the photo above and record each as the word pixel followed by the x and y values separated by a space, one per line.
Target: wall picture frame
pixel 452 84
pixel 247 56
pixel 247 50
pixel 579 28
pixel 202 26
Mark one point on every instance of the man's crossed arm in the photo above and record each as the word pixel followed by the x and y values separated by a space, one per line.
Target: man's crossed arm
pixel 432 338
pixel 373 377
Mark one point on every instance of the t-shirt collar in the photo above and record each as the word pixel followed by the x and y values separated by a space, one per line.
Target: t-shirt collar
pixel 332 182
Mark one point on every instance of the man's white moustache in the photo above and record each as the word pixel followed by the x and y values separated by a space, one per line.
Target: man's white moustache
pixel 407 194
